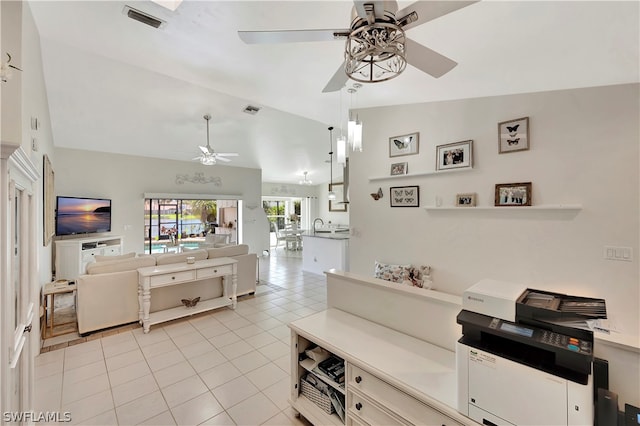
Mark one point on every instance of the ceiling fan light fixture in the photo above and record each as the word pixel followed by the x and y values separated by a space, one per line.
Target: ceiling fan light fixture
pixel 207 160
pixel 375 52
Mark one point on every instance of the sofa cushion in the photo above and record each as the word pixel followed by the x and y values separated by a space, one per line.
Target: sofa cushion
pixel 129 264
pixel 100 258
pixel 228 251
pixel 167 258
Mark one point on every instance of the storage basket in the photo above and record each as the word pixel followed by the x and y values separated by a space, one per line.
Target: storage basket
pixel 321 400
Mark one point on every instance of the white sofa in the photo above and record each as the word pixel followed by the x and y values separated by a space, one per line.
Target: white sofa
pixel 108 292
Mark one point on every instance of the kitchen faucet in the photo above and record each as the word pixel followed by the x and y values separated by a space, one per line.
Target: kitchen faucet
pixel 314 223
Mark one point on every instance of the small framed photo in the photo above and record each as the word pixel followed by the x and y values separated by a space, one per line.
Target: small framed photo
pixel 405 196
pixel 513 194
pixel 466 200
pixel 399 169
pixel 513 135
pixel 404 145
pixel 454 155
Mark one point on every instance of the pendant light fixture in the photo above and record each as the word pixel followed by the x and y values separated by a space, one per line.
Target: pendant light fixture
pixel 341 141
pixel 354 126
pixel 331 195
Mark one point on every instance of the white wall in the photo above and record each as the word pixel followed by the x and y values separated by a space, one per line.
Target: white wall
pixel 584 150
pixel 35 105
pixel 125 179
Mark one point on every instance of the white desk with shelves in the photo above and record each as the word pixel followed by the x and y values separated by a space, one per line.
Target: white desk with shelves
pixel 394 376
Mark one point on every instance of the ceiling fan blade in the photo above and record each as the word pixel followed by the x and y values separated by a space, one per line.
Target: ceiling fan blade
pixel 291 36
pixel 204 149
pixel 218 158
pixel 430 10
pixel 227 154
pixel 428 60
pixel 338 80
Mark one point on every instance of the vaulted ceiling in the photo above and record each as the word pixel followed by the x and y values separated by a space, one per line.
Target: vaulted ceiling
pixel 117 85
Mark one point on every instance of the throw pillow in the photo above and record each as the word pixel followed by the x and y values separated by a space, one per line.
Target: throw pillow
pixel 390 272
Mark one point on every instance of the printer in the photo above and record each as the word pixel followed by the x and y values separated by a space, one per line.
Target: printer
pixel 521 360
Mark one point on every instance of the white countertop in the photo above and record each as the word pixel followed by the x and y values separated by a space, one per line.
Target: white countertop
pixel 329 235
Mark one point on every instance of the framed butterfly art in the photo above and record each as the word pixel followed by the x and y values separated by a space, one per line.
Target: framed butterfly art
pixel 404 145
pixel 404 196
pixel 513 135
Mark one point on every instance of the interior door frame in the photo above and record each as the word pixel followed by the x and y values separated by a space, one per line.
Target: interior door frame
pixel 17 346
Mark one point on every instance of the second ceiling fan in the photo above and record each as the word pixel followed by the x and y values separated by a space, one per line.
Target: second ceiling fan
pixel 208 156
pixel 376 46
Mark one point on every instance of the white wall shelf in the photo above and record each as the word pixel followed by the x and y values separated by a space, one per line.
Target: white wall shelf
pixel 522 208
pixel 412 175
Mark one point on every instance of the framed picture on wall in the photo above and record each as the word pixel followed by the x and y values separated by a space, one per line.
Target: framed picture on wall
pixel 399 169
pixel 513 135
pixel 466 200
pixel 513 194
pixel 337 205
pixel 405 196
pixel 404 144
pixel 457 155
pixel 49 202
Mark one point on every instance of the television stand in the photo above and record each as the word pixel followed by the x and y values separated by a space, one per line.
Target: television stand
pixel 73 255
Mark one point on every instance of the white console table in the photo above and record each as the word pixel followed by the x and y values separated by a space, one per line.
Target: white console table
pixel 180 273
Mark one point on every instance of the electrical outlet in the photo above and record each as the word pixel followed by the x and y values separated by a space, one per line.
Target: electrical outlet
pixel 618 253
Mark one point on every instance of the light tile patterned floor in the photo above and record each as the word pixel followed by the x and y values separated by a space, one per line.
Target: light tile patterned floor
pixel 222 368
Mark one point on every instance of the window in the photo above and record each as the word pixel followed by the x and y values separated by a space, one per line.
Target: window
pixel 174 224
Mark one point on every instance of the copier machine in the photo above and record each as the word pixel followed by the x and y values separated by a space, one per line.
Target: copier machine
pixel 517 364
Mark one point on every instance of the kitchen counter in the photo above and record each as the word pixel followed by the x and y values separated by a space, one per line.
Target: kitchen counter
pixel 340 235
pixel 325 250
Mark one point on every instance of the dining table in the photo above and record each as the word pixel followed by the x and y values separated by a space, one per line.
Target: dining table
pixel 293 237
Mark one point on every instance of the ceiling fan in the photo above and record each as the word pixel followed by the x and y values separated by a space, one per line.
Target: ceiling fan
pixel 376 47
pixel 208 156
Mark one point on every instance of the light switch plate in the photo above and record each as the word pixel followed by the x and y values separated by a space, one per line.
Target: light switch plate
pixel 618 253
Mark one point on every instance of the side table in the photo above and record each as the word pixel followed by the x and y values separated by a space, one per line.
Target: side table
pixel 51 290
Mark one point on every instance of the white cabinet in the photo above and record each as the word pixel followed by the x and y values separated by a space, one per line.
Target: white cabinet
pixel 73 255
pixel 305 403
pixel 391 378
pixel 325 251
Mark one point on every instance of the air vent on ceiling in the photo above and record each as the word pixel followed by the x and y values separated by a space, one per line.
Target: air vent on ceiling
pixel 250 109
pixel 143 17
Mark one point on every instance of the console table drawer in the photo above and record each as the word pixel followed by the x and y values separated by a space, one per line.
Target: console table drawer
pixel 394 399
pixel 214 271
pixel 364 409
pixel 175 277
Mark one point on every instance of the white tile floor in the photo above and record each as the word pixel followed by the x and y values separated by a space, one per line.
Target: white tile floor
pixel 225 368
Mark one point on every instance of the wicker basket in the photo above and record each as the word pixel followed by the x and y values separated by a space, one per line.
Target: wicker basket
pixel 321 400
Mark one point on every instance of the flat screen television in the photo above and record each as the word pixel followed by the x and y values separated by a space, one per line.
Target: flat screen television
pixel 76 215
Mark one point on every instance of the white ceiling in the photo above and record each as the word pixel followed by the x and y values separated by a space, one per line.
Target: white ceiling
pixel 117 85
